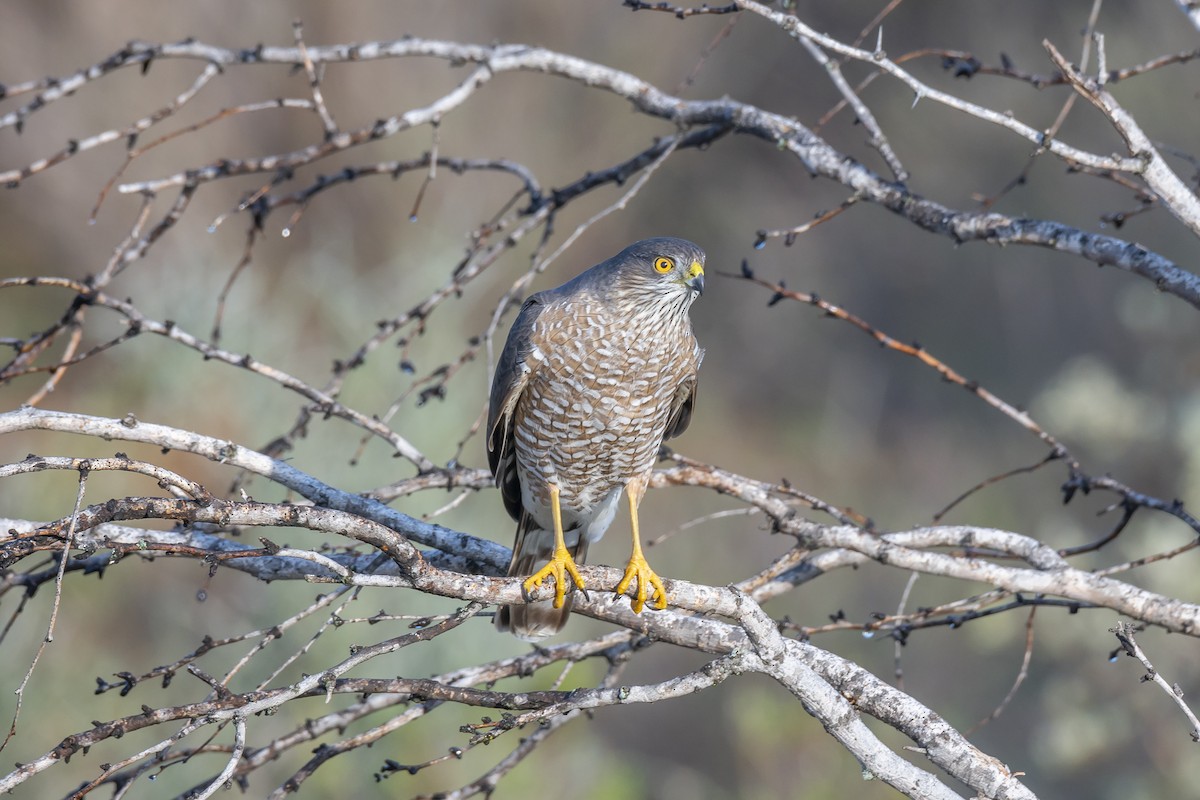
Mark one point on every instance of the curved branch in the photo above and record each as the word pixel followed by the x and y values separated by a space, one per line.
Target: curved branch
pixel 481 552
pixel 817 155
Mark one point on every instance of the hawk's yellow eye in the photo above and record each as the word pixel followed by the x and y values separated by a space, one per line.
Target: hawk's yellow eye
pixel 663 264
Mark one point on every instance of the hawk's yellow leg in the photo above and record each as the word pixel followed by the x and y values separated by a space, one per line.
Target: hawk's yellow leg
pixel 561 564
pixel 638 569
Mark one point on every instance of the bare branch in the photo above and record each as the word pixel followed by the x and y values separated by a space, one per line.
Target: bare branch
pixel 1172 191
pixel 1124 633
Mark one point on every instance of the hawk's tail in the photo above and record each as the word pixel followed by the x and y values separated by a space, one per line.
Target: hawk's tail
pixel 532 549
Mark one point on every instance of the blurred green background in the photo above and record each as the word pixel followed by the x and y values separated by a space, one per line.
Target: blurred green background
pixel 1105 362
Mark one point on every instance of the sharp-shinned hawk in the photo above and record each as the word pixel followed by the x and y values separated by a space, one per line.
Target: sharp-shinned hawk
pixel 594 375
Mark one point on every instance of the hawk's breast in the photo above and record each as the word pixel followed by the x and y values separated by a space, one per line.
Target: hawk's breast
pixel 597 402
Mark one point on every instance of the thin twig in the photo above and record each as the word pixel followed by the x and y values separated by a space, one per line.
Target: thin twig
pixel 1022 674
pixel 64 556
pixel 314 82
pixel 1124 632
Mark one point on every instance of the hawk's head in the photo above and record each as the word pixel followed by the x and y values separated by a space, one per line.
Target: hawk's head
pixel 662 264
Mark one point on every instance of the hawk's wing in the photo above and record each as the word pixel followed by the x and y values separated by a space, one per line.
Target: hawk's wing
pixel 512 374
pixel 681 406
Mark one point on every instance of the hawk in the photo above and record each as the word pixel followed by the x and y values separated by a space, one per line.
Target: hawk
pixel 593 376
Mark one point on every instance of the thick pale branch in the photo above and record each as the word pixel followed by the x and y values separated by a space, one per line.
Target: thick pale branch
pixel 225 452
pixel 1048 573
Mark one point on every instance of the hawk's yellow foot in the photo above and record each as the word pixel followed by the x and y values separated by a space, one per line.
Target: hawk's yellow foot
pixel 561 564
pixel 639 569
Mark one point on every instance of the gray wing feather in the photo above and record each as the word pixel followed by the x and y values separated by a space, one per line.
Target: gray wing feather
pixel 512 374
pixel 681 407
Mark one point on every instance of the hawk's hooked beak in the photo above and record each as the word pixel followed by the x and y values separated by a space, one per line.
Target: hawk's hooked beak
pixel 695 278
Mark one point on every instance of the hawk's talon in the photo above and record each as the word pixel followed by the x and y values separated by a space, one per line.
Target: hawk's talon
pixel 639 570
pixel 560 565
